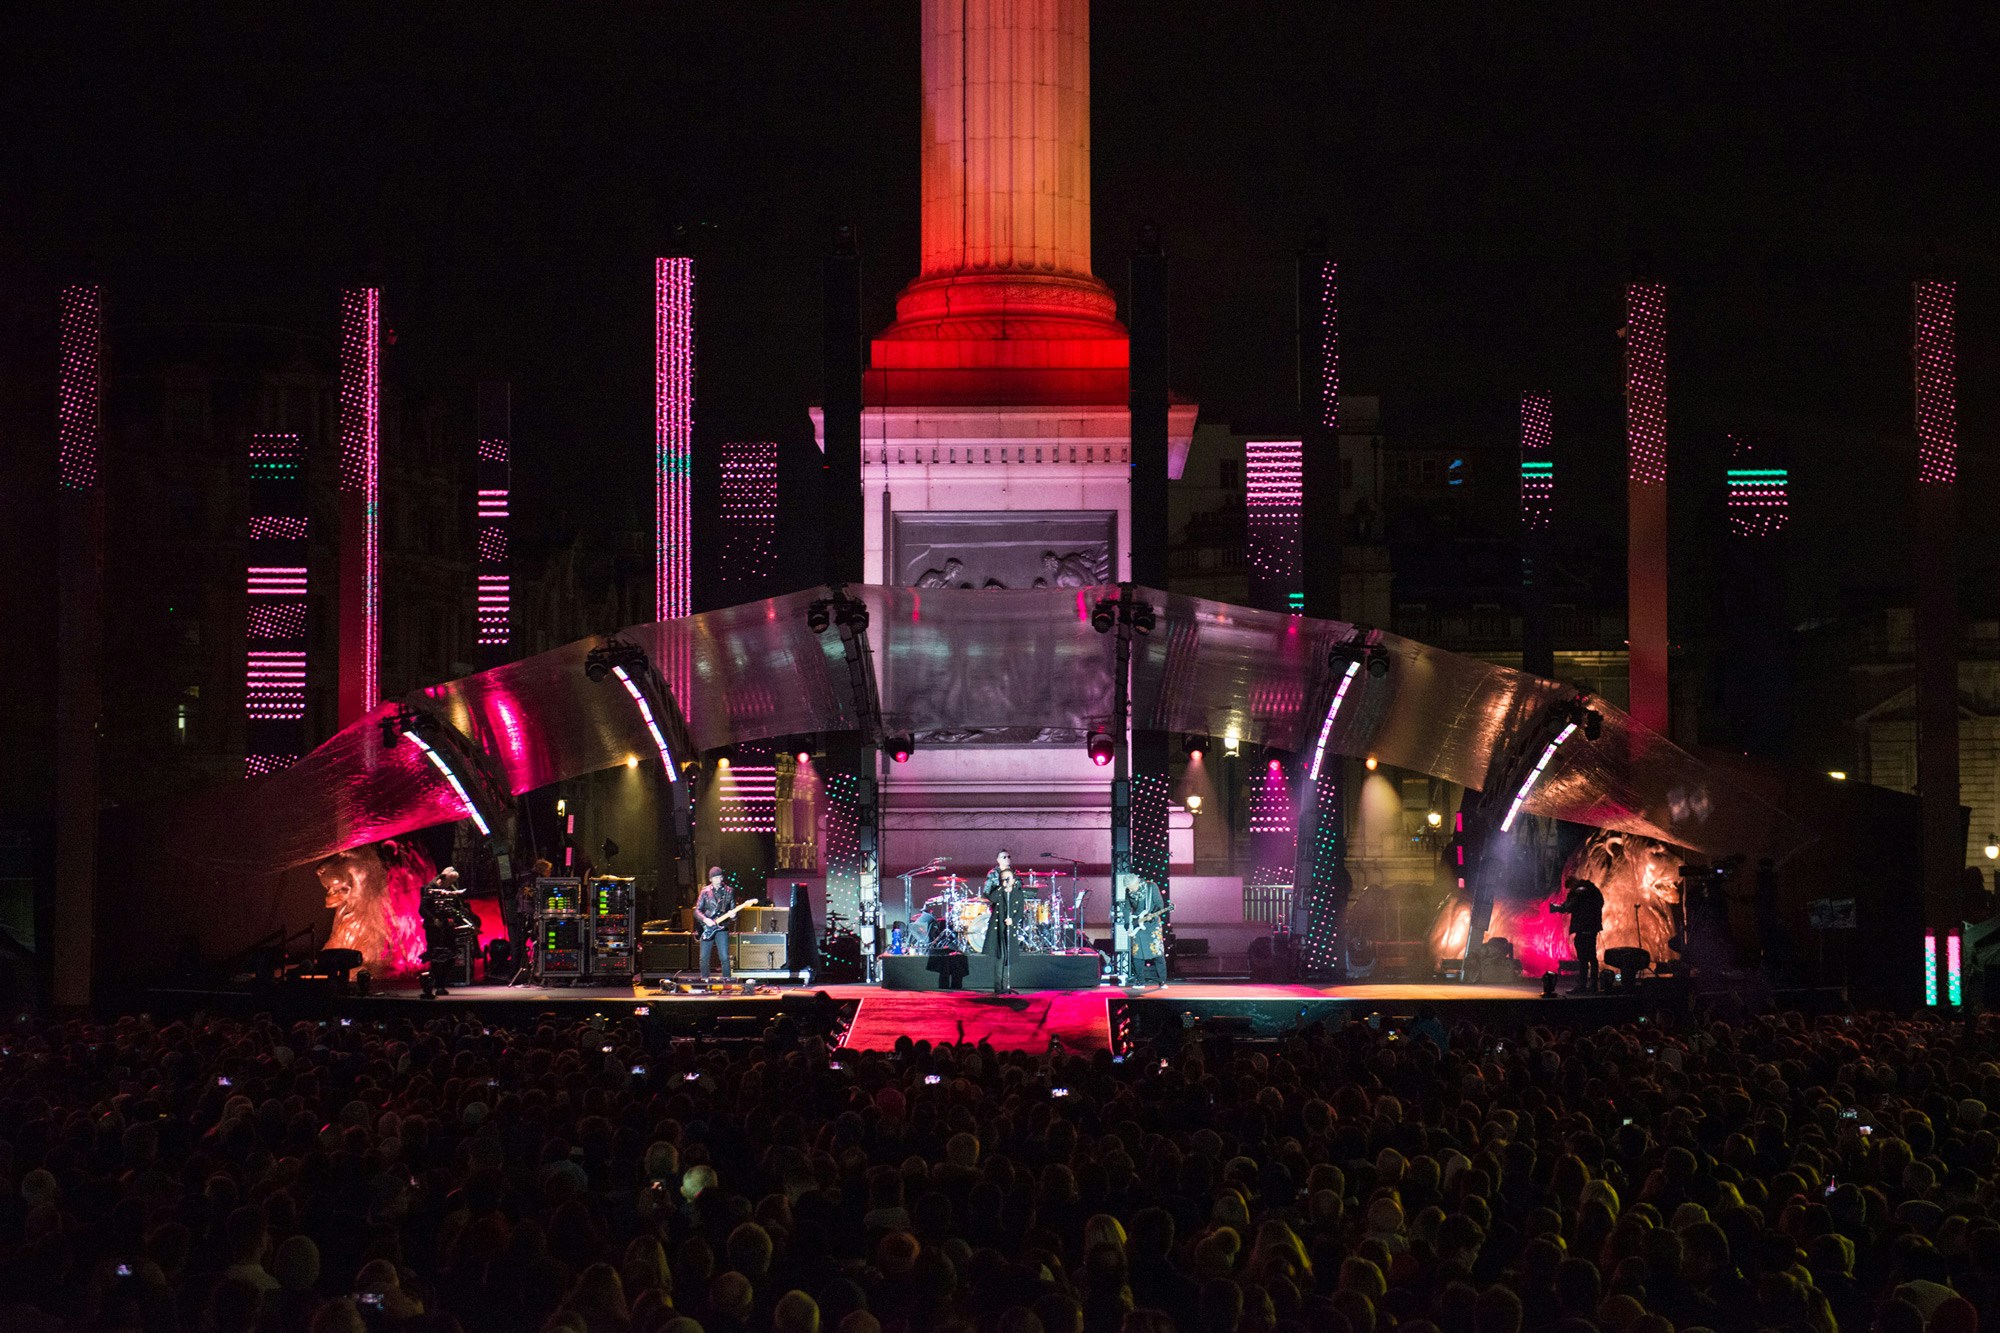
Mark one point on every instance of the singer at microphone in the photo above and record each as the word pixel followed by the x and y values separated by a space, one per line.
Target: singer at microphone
pixel 1005 898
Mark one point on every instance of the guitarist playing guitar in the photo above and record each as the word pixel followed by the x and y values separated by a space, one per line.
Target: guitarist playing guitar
pixel 1148 908
pixel 713 908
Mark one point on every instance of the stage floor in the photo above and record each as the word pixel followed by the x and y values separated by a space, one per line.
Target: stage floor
pixel 1036 1021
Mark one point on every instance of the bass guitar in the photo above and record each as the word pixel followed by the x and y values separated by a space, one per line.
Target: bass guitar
pixel 708 932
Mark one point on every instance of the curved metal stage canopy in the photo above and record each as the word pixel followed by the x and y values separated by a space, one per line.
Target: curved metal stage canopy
pixel 1024 662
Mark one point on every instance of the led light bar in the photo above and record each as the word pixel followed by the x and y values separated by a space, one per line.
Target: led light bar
pixel 1930 969
pixel 1332 711
pixel 652 724
pixel 673 436
pixel 1535 775
pixel 438 761
pixel 1936 383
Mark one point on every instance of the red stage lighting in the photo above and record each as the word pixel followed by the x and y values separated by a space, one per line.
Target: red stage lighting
pixel 899 748
pixel 1100 748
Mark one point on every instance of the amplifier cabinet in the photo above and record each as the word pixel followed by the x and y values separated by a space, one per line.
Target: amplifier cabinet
pixel 663 953
pixel 757 953
pixel 763 920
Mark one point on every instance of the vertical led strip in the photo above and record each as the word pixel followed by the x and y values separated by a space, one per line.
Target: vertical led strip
pixel 438 761
pixel 673 436
pixel 652 723
pixel 79 337
pixel 1273 480
pixel 1759 497
pixel 1535 775
pixel 361 478
pixel 275 587
pixel 1333 711
pixel 1646 383
pixel 493 607
pixel 1936 383
pixel 1329 347
pixel 1538 468
pixel 1954 971
pixel 749 516
pixel 1930 969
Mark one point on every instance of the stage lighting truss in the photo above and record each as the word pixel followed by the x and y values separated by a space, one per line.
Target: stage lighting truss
pixel 825 612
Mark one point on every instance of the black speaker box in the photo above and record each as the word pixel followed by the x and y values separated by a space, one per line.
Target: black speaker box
pixel 664 952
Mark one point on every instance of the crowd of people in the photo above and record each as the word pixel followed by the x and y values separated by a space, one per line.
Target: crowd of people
pixel 603 1176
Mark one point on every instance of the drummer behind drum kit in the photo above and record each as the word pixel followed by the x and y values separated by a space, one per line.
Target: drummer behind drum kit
pixel 958 919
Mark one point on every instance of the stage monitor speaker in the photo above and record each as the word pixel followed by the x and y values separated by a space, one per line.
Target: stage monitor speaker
pixel 662 953
pixel 757 953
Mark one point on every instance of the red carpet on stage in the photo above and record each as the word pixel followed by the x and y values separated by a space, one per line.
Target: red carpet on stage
pixel 1080 1020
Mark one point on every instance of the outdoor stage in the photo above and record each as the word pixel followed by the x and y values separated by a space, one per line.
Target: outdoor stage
pixel 1077 1020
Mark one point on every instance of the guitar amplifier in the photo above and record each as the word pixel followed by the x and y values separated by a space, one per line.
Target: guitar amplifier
pixel 665 952
pixel 763 920
pixel 757 953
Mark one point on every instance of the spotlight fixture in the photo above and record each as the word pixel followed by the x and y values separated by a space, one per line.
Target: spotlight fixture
pixel 1194 746
pixel 611 656
pixel 1434 819
pixel 1193 803
pixel 1142 618
pixel 899 748
pixel 1373 763
pixel 1358 652
pixel 1836 775
pixel 822 612
pixel 1100 747
pixel 1378 661
pixel 803 755
pixel 818 617
pixel 1993 846
pixel 1274 766
pixel 1104 615
pixel 1232 743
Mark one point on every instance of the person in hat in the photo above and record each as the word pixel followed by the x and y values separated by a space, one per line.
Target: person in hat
pixel 715 901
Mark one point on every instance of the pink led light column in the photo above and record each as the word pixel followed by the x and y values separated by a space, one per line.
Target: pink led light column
pixel 79 635
pixel 1646 499
pixel 1935 404
pixel 1538 497
pixel 1273 494
pixel 275 615
pixel 749 518
pixel 673 436
pixel 493 606
pixel 360 502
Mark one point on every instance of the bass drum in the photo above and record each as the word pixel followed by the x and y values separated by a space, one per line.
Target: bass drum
pixel 972 919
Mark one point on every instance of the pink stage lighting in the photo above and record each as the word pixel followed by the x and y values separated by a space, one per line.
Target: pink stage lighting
pixel 1936 383
pixel 361 479
pixel 1538 468
pixel 439 762
pixel 1273 493
pixel 1646 383
pixel 275 586
pixel 78 394
pixel 673 436
pixel 748 800
pixel 749 515
pixel 1759 497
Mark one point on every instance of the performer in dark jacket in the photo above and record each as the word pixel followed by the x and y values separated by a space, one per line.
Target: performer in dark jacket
pixel 1148 908
pixel 710 906
pixel 1584 905
pixel 1006 895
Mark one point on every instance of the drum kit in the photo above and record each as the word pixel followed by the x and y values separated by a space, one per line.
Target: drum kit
pixel 958 919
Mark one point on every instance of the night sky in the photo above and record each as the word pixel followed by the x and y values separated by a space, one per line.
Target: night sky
pixel 507 175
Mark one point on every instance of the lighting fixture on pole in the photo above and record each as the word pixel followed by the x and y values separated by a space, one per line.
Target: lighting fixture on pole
pixel 1993 846
pixel 1193 803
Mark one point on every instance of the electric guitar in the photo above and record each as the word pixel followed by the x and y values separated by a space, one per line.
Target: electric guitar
pixel 708 932
pixel 1145 932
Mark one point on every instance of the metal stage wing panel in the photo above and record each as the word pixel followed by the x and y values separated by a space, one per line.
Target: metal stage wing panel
pixel 351 790
pixel 1213 669
pixel 1636 780
pixel 990 664
pixel 751 672
pixel 540 719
